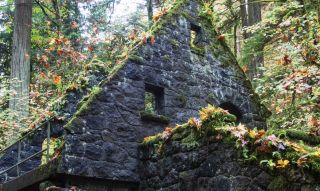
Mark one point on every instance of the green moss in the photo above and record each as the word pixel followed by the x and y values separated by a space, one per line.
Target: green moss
pixel 190 141
pixel 68 126
pixel 167 18
pixel 166 58
pixel 199 50
pixel 84 105
pixel 315 165
pixel 154 117
pixel 174 43
pixel 136 59
pixel 152 140
pixel 187 16
pixel 278 183
pixel 55 145
pixel 181 132
pixel 183 100
pixel 218 126
pixel 301 135
pixel 88 100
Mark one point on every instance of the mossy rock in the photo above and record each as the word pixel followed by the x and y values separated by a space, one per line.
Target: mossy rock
pixel 154 117
pixel 152 140
pixel 137 59
pixel 183 100
pixel 166 58
pixel 174 43
pixel 199 50
pixel 301 135
pixel 180 133
pixel 86 101
pixel 278 183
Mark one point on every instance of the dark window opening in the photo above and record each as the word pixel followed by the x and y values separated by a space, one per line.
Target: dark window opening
pixel 154 99
pixel 232 109
pixel 196 35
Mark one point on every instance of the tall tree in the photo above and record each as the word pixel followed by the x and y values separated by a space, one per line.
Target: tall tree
pixel 250 15
pixel 6 14
pixel 20 64
pixel 150 11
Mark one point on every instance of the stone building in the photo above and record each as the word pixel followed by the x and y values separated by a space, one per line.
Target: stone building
pixel 162 83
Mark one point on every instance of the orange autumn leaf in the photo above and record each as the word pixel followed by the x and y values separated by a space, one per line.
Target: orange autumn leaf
pixel 152 40
pixel 91 48
pixel 74 25
pixel 56 79
pixel 286 60
pixel 313 122
pixel 166 134
pixel 132 35
pixel 59 52
pixel 285 38
pixel 43 75
pixel 144 40
pixel 245 68
pixel 32 125
pixel 278 110
pixel 194 122
pixel 44 58
pixel 261 133
pixel 46 65
pixel 158 15
pixel 264 147
pixel 302 161
pixel 221 37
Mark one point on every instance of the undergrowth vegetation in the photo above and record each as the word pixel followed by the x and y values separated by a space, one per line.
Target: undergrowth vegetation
pixel 288 40
pixel 267 148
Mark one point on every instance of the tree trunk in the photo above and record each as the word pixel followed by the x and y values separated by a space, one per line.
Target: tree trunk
pixel 150 12
pixel 20 64
pixel 250 15
pixel 235 40
pixel 238 41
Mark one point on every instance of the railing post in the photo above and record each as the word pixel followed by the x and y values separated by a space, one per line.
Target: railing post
pixel 19 158
pixel 48 141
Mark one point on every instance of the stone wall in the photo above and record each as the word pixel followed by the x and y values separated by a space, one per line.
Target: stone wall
pixel 102 139
pixel 32 143
pixel 212 167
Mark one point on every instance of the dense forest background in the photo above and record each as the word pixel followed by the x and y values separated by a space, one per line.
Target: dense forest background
pixel 277 44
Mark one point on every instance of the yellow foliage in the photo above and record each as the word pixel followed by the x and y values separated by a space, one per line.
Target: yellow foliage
pixel 206 113
pixel 282 163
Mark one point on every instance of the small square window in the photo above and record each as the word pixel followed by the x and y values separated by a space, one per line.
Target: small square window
pixel 154 99
pixel 150 102
pixel 195 38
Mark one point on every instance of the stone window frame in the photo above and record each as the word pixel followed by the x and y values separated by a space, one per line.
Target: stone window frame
pixel 197 40
pixel 158 93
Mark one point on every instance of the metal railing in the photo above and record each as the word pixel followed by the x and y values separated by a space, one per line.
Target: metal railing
pixel 19 142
